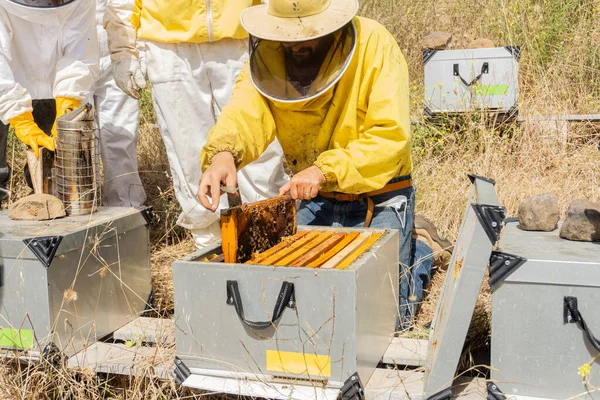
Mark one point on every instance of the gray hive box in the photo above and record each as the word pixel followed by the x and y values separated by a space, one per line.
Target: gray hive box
pixel 458 81
pixel 537 348
pixel 71 281
pixel 342 321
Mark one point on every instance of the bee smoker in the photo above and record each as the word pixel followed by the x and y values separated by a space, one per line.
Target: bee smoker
pixel 77 162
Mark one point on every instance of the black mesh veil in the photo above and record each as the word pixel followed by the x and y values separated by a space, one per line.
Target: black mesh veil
pixel 269 73
pixel 43 3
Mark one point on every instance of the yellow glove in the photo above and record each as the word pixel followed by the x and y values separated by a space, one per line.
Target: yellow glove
pixel 29 133
pixel 64 105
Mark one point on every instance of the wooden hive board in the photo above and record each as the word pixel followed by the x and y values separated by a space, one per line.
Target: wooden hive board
pixel 258 258
pixel 346 251
pixel 318 251
pixel 289 260
pixel 359 251
pixel 336 249
pixel 271 260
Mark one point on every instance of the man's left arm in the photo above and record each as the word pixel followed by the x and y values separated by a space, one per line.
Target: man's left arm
pixel 383 145
pixel 78 69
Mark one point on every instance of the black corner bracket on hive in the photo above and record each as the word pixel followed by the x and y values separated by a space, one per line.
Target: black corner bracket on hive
pixel 44 248
pixel 182 372
pixel 491 218
pixel 353 389
pixel 501 266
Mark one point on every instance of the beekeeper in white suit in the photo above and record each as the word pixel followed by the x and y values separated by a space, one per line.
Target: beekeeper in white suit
pixel 118 120
pixel 48 65
pixel 192 52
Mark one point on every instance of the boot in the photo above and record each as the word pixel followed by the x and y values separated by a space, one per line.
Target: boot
pixel 426 231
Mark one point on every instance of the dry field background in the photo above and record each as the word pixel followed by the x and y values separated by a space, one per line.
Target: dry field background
pixel 560 41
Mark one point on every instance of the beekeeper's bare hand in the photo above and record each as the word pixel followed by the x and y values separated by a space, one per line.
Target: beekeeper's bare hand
pixel 305 184
pixel 222 171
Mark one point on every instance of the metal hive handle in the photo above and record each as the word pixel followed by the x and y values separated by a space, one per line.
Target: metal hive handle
pixel 572 316
pixel 286 298
pixel 485 68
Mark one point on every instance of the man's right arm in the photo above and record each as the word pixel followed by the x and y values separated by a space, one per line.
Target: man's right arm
pixel 15 100
pixel 243 132
pixel 245 128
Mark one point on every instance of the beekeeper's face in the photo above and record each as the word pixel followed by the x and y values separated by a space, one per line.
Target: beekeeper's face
pixel 308 52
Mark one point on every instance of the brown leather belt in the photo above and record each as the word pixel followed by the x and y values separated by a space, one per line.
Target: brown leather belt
pixel 390 187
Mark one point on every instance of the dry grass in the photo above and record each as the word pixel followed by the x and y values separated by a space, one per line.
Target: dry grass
pixel 162 274
pixel 44 381
pixel 558 75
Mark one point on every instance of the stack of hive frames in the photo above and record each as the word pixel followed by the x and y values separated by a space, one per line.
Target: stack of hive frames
pixel 317 249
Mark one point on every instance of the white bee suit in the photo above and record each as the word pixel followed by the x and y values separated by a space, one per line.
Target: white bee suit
pixel 118 121
pixel 45 53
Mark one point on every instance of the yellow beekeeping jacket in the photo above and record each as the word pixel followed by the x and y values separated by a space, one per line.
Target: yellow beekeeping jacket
pixel 180 21
pixel 357 133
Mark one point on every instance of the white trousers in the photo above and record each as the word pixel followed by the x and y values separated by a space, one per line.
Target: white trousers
pixel 191 83
pixel 118 121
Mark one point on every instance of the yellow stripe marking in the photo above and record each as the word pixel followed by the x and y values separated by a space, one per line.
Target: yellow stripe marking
pixel 298 363
pixel 358 252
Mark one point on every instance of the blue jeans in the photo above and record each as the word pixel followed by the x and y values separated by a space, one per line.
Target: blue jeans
pixel 329 212
pixel 418 278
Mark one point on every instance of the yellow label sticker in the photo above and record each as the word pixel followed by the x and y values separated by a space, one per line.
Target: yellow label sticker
pixel 298 363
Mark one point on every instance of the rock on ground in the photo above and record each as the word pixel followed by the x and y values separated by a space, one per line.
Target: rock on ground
pixel 539 213
pixel 37 207
pixel 482 43
pixel 582 222
pixel 436 41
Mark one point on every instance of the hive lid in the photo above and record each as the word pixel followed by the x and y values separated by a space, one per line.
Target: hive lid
pixel 551 259
pixel 75 231
pixel 476 238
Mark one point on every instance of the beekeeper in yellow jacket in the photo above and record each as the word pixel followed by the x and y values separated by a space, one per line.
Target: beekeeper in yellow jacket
pixel 191 51
pixel 333 89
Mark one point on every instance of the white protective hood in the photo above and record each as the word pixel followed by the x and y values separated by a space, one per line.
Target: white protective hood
pixel 45 16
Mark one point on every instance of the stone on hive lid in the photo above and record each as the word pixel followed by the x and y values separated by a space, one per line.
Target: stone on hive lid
pixel 36 207
pixel 582 222
pixel 539 213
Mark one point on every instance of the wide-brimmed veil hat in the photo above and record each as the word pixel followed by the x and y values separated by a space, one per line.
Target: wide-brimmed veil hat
pixel 298 20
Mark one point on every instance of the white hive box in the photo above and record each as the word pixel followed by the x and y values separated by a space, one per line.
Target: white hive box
pixel 459 81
